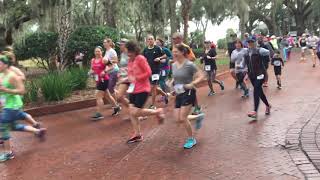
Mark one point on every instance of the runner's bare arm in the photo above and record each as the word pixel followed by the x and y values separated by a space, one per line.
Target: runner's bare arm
pixel 18 72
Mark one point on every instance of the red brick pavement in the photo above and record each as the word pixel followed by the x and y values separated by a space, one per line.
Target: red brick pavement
pixel 229 147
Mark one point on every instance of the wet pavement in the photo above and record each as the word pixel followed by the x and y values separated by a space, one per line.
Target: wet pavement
pixel 230 146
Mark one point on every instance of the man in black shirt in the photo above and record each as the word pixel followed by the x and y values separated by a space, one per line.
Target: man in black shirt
pixel 154 55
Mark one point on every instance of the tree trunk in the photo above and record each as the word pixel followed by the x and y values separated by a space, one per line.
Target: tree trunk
pixel 173 16
pixel 186 7
pixel 110 12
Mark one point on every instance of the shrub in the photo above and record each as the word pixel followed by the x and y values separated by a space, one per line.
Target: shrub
pixel 85 39
pixel 222 43
pixel 56 86
pixel 198 52
pixel 32 89
pixel 78 78
pixel 41 46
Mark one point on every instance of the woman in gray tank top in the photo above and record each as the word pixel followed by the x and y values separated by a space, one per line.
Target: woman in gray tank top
pixel 185 77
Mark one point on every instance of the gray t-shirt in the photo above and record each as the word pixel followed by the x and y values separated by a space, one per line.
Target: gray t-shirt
pixel 238 57
pixel 184 74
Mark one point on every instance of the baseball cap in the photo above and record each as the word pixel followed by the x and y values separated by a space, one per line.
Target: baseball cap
pixel 123 41
pixel 251 40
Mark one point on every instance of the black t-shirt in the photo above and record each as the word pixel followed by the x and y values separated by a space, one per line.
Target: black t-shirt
pixel 231 47
pixel 151 55
pixel 212 53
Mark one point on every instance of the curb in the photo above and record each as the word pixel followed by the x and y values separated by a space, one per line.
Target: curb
pixel 60 108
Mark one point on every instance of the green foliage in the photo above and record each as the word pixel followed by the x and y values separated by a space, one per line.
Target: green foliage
pixel 78 78
pixel 198 52
pixel 56 86
pixel 222 43
pixel 40 46
pixel 85 39
pixel 32 89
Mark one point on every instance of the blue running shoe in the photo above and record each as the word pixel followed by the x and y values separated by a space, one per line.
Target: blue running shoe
pixel 6 156
pixel 190 143
pixel 199 121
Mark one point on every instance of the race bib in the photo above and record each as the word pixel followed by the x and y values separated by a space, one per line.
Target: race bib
pixel 96 77
pixel 207 67
pixel 277 63
pixel 131 88
pixel 179 88
pixel 260 77
pixel 163 73
pixel 239 64
pixel 155 77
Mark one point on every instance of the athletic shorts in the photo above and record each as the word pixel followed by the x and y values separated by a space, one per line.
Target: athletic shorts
pixel 138 100
pixel 232 65
pixel 240 76
pixel 277 70
pixel 211 75
pixel 186 99
pixel 102 85
pixel 8 122
pixel 113 78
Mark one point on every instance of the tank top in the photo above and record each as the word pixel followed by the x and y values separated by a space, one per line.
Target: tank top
pixel 98 67
pixel 9 101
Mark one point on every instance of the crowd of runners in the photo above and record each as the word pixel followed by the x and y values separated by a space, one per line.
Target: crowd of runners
pixel 127 80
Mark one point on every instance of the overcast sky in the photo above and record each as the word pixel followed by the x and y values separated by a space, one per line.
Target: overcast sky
pixel 215 32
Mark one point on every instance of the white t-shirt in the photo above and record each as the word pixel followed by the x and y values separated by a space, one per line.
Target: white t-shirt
pixel 109 55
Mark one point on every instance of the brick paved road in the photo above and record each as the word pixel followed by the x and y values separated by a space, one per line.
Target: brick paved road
pixel 230 147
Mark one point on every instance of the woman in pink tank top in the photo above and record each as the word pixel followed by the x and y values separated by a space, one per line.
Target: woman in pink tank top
pixel 98 70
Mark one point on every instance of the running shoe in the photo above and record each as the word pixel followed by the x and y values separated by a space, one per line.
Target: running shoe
pixel 190 142
pixel 237 85
pixel 196 110
pixel 97 116
pixel 199 121
pixel 246 94
pixel 268 110
pixel 6 156
pixel 152 107
pixel 116 110
pixel 42 134
pixel 37 125
pixel 265 84
pixel 252 114
pixel 222 86
pixel 135 139
pixel 314 66
pixel 279 87
pixel 1 142
pixel 211 93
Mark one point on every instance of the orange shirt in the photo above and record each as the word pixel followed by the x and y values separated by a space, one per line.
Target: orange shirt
pixel 191 55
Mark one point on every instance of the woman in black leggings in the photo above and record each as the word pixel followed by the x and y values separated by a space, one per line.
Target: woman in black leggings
pixel 257 73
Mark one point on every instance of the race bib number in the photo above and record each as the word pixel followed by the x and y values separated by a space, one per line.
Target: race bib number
pixel 179 88
pixel 163 73
pixel 277 63
pixel 260 77
pixel 239 64
pixel 96 77
pixel 155 77
pixel 131 88
pixel 207 67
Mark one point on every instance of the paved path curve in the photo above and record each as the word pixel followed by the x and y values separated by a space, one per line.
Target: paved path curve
pixel 230 147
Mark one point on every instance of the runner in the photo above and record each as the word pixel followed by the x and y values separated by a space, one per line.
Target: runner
pixel 257 71
pixel 241 69
pixel 185 77
pixel 263 43
pixel 123 83
pixel 312 45
pixel 11 90
pixel 274 42
pixel 303 46
pixel 209 60
pixel 155 55
pixel 112 58
pixel 164 67
pixel 245 39
pixel 231 48
pixel 139 73
pixel 177 38
pixel 277 61
pixel 100 71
